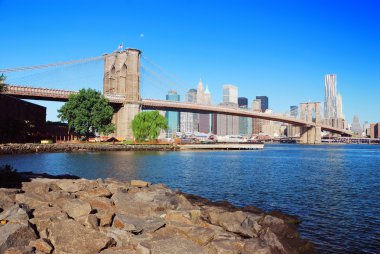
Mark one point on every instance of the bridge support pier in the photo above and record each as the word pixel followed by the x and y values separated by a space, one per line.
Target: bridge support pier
pixel 311 111
pixel 122 77
pixel 310 135
pixel 123 120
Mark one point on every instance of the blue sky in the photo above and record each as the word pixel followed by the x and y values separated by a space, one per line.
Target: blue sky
pixel 281 49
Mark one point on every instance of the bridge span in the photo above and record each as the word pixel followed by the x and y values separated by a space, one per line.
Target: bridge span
pixel 34 93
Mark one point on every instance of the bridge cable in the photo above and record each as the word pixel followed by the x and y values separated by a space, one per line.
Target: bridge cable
pixel 27 68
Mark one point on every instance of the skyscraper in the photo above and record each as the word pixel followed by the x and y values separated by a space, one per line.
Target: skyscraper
pixel 356 126
pixel 172 117
pixel 264 102
pixel 187 118
pixel 230 94
pixel 293 131
pixel 203 98
pixel 244 121
pixel 333 108
pixel 330 109
pixel 256 123
pixel 226 124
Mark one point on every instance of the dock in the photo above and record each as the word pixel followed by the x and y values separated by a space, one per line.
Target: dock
pixel 223 146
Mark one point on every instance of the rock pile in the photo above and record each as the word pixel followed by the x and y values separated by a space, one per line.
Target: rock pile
pixel 111 217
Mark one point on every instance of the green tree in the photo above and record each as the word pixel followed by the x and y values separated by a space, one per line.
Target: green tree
pixel 148 125
pixel 88 112
pixel 3 87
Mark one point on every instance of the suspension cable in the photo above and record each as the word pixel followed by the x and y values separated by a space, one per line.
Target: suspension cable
pixel 35 67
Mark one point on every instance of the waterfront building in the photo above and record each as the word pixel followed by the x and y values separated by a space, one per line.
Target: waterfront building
pixel 187 118
pixel 230 94
pixel 172 118
pixel 375 130
pixel 264 102
pixel 245 123
pixel 356 126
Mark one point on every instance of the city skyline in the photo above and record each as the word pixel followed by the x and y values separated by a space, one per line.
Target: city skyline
pixel 269 47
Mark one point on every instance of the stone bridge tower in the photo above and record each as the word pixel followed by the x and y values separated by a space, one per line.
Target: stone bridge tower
pixel 122 77
pixel 311 111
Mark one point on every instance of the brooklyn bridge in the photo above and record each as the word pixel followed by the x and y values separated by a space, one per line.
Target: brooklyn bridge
pixel 121 85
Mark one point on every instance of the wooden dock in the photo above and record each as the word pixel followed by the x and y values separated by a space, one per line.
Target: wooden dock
pixel 223 146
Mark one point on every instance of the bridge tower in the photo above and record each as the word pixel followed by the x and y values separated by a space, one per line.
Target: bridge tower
pixel 122 77
pixel 311 111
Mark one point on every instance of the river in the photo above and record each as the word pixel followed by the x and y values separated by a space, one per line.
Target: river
pixel 334 189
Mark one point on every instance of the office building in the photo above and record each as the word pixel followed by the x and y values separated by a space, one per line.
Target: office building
pixel 256 123
pixel 230 94
pixel 187 119
pixel 172 118
pixel 356 126
pixel 227 124
pixel 203 98
pixel 264 102
pixel 245 123
pixel 292 130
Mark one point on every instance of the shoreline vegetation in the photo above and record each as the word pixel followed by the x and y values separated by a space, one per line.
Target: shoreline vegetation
pixel 67 214
pixel 15 148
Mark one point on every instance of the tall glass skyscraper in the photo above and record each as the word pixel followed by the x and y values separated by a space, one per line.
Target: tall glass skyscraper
pixel 330 107
pixel 172 118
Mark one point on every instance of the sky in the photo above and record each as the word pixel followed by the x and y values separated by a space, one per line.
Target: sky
pixel 281 49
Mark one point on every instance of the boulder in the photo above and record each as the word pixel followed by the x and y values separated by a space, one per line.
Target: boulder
pixel 100 203
pixel 137 225
pixel 15 235
pixel 76 185
pixel 256 245
pixel 139 183
pixel 121 237
pixel 238 222
pixel 69 236
pixel 96 192
pixel 75 208
pixel 42 245
pixel 225 247
pixel 105 217
pixel 89 221
pixel 272 241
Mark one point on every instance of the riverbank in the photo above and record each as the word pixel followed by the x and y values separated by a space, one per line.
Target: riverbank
pixel 77 147
pixel 107 216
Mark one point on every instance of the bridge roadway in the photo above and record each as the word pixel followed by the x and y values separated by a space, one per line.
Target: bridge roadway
pixel 33 93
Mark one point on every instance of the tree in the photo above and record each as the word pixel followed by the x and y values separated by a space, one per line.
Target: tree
pixel 148 125
pixel 88 112
pixel 3 87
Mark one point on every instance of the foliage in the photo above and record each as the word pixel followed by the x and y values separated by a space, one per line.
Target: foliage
pixel 88 112
pixel 3 87
pixel 9 177
pixel 148 125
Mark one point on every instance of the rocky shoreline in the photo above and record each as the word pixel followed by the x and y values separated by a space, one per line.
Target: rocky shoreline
pixel 107 216
pixel 77 147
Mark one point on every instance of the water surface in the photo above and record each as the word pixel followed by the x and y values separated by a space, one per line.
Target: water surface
pixel 334 189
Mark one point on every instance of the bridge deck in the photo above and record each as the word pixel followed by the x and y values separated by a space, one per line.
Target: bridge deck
pixel 25 92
